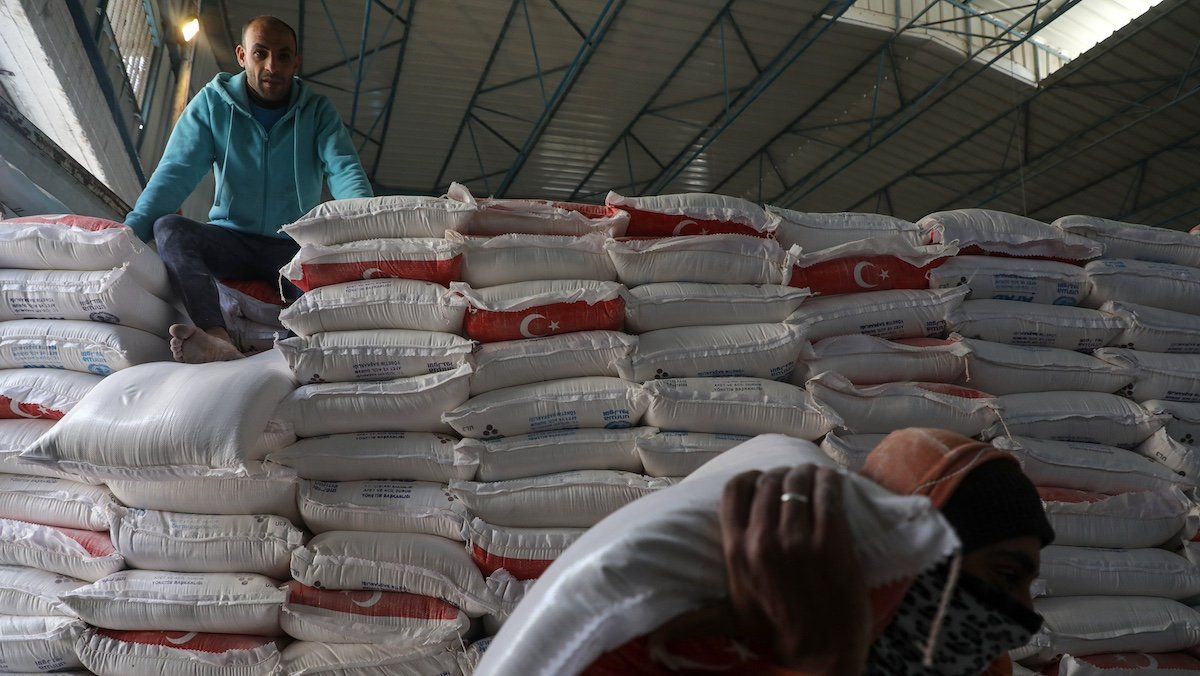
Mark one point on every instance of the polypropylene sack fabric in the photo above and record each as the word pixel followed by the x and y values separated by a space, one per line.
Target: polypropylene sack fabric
pixel 1090 417
pixel 1128 664
pixel 668 305
pixel 264 490
pixel 678 454
pixel 577 499
pixel 81 554
pixel 747 406
pixel 693 214
pixel 106 296
pixel 998 369
pixel 1160 285
pixel 384 217
pixel 54 502
pixel 747 350
pixel 498 217
pixel 1170 377
pixel 1087 467
pixel 1084 571
pixel 381 506
pixel 1150 329
pixel 1034 325
pixel 867 360
pixel 708 259
pixel 48 394
pixel 375 304
pixel 573 355
pixel 878 264
pixel 880 409
pixel 1001 233
pixel 1183 423
pixel 541 308
pixel 256 300
pixel 360 356
pixel 34 592
pixel 508 259
pixel 1133 241
pixel 422 259
pixel 1181 458
pixel 572 403
pixel 1091 625
pixel 392 618
pixel 526 455
pixel 814 231
pixel 1127 520
pixel 30 644
pixel 15 436
pixel 850 450
pixel 903 313
pixel 88 347
pixel 156 653
pixel 1015 279
pixel 418 456
pixel 305 658
pixel 524 553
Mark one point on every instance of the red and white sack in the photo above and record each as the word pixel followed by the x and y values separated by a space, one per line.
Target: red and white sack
pixel 381 506
pixel 1133 241
pixel 395 618
pixel 357 356
pixel 1160 285
pixel 1170 377
pixel 814 231
pixel 1150 329
pixel 404 404
pixel 31 644
pixel 15 437
pixel 156 653
pixel 404 562
pixel 537 453
pixel 903 313
pixel 383 217
pixel 1085 571
pixel 707 259
pixel 572 355
pixel 577 499
pixel 205 543
pixel 1090 417
pixel 1126 520
pixel 307 658
pixel 1184 422
pixel 264 490
pixel 1181 458
pixel 54 502
pixel 669 305
pixel 254 299
pixel 998 369
pixel 693 214
pixel 749 406
pixel 877 264
pixel 88 347
pixel 1025 280
pixel 33 592
pixel 997 233
pixel 107 296
pixel 48 394
pixel 867 360
pixel 375 304
pixel 1086 467
pixel 81 554
pixel 572 403
pixel 1127 664
pixel 508 259
pixel 539 217
pixel 418 456
pixel 678 454
pixel 881 409
pixel 850 450
pixel 542 308
pixel 524 552
pixel 139 600
pixel 1035 325
pixel 424 259
pixel 1094 625
pixel 750 350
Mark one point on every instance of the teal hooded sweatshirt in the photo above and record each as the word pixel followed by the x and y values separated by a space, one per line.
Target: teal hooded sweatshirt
pixel 265 179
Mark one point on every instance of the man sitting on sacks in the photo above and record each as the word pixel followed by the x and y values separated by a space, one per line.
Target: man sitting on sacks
pixel 796 585
pixel 271 142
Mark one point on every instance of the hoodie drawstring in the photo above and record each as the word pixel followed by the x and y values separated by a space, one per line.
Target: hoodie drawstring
pixel 296 158
pixel 225 157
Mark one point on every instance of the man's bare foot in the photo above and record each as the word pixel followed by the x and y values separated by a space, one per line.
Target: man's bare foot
pixel 190 345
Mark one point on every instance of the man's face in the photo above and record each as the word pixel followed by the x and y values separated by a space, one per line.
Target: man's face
pixel 269 56
pixel 1009 566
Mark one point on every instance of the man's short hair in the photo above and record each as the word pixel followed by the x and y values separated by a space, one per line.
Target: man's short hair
pixel 272 22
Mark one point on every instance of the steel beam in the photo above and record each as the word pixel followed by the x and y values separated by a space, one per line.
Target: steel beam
pixel 391 104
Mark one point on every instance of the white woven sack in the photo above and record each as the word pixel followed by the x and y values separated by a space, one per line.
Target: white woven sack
pixel 304 658
pixel 392 618
pixel 1133 241
pixel 660 558
pixel 205 543
pixel 159 653
pixel 566 500
pixel 1025 280
pixel 418 564
pixel 678 454
pixel 411 404
pixel 736 406
pixel 468 661
pixel 1090 417
pixel 108 296
pixel 418 456
pixel 30 644
pixel 573 403
pixel 15 436
pixel 1124 664
pixel 572 355
pixel 708 259
pixel 375 304
pixel 54 502
pixel 668 305
pixel 1150 329
pixel 1182 459
pixel 1170 377
pixel 1184 422
pixel 881 409
pixel 149 600
pixel 382 506
pixel 1085 571
pixel 523 552
pixel 80 554
pixel 511 592
pixel 383 217
pixel 507 259
pixel 850 450
pixel 1160 285
pixel 539 217
pixel 998 369
pixel 1086 467
pixel 879 264
pixel 30 591
pixel 358 356
pixel 433 260
pixel 747 350
pixel 867 360
pixel 1033 325
pixel 526 455
pixel 901 313
pixel 250 337
pixel 43 393
pixel 997 232
pixel 1090 625
pixel 90 347
pixel 815 231
pixel 264 490
pixel 1125 520
pixel 692 213
pixel 236 304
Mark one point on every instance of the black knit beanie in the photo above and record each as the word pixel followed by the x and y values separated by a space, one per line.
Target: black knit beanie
pixel 995 502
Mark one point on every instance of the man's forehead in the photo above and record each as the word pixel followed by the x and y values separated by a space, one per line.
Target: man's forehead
pixel 267 37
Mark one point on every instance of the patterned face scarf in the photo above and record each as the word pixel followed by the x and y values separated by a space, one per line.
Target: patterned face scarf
pixel 979 625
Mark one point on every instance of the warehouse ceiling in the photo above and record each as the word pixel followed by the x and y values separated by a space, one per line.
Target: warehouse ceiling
pixel 896 106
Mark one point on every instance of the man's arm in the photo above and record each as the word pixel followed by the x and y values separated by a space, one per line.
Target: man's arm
pixel 188 157
pixel 346 176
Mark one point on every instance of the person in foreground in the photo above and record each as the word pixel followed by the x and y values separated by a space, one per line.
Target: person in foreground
pixel 271 142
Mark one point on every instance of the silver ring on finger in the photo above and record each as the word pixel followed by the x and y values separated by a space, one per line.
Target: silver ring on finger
pixel 793 497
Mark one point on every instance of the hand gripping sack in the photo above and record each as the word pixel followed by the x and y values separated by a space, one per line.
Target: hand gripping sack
pixel 998 369
pixel 543 308
pixel 577 499
pixel 30 644
pixel 15 437
pixel 850 450
pixel 524 552
pixel 1025 280
pixel 1034 325
pixel 877 264
pixel 1125 520
pixel 1086 467
pixel 708 259
pixel 572 355
pixel 1136 242
pixel 1150 329
pixel 54 502
pixel 1084 571
pixel 381 506
pixel 264 490
pixel 384 217
pixel 509 259
pixel 106 296
pixel 1093 625
pixel 1181 458
pixel 882 409
pixel 172 434
pixel 80 554
pixel 526 455
pixel 678 454
pixel 814 231
pixel 573 403
pixel 88 347
pixel 375 304
pixel 1159 285
pixel 156 653
pixel 306 658
pixel 749 350
pixel 1127 664
pixel 358 356
pixel 205 543
pixel 1090 417
pixel 903 313
pixel 48 394
pixel 417 456
pixel 693 214
pixel 736 406
pixel 32 592
pixel 668 305
pixel 143 600
pixel 393 618
pixel 400 562
pixel 1170 377
pixel 867 360
pixel 1184 419
pixel 429 260
pixel 664 550
pixel 996 233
